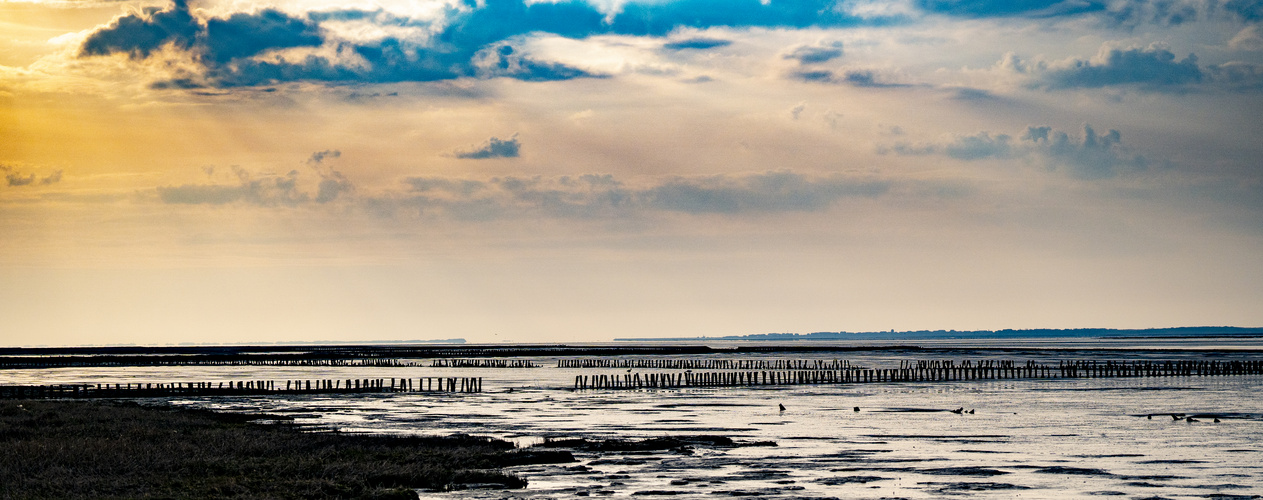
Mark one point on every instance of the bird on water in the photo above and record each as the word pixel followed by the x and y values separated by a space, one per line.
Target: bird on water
pixel 782 406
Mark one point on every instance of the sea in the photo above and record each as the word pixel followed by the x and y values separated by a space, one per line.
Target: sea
pixel 1022 438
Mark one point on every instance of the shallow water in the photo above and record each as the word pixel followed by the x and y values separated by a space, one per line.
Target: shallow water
pixel 1026 438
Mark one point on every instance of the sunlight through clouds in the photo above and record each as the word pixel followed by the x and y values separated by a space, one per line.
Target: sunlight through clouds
pixel 837 143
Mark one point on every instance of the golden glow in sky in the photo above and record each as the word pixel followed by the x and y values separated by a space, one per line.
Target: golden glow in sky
pixel 215 171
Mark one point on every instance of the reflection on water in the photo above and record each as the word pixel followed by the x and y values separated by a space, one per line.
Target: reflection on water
pixel 1028 438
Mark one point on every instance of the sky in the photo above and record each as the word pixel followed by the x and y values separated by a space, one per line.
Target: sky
pixel 238 171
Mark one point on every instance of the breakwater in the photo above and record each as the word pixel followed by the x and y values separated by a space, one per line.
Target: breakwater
pixel 482 363
pixel 922 371
pixel 707 364
pixel 244 388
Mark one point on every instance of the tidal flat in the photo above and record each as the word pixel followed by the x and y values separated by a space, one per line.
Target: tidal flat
pixel 124 450
pixel 1128 437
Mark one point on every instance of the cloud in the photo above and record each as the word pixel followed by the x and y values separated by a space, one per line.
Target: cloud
pixel 318 157
pixel 866 78
pixel 139 35
pixel 815 54
pixel 1010 8
pixel 1237 76
pixel 246 35
pixel 331 186
pixel 602 195
pixel 769 192
pixel 854 78
pixel 194 194
pixel 1249 38
pixel 332 183
pixel 467 41
pixel 1246 10
pixel 1094 156
pixel 493 148
pixel 16 178
pixel 698 43
pixel 505 61
pixel 1130 13
pixel 979 146
pixel 1151 68
pixel 263 190
pixel 797 110
pixel 52 178
pixel 1113 13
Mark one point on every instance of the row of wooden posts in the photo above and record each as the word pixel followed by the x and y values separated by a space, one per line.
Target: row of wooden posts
pixel 69 361
pixel 706 364
pixel 244 387
pixel 482 363
pixel 920 373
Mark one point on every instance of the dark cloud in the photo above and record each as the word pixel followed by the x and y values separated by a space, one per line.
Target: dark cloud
pixel 818 75
pixel 1010 8
pixel 318 157
pixel 868 79
pixel 140 34
pixel 493 148
pixel 1153 69
pixel 465 46
pixel 246 35
pixel 699 43
pixel 854 78
pixel 594 195
pixel 658 19
pixel 1246 10
pixel 815 54
pixel 16 178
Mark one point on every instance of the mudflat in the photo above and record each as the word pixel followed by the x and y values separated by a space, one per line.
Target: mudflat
pixel 112 449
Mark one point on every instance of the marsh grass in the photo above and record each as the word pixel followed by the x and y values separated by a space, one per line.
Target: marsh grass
pixel 103 449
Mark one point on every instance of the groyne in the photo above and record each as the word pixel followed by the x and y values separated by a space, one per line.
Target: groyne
pixel 706 363
pixel 482 363
pixel 243 388
pixel 921 371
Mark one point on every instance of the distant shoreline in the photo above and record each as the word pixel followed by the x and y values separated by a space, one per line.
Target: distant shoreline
pixel 1190 332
